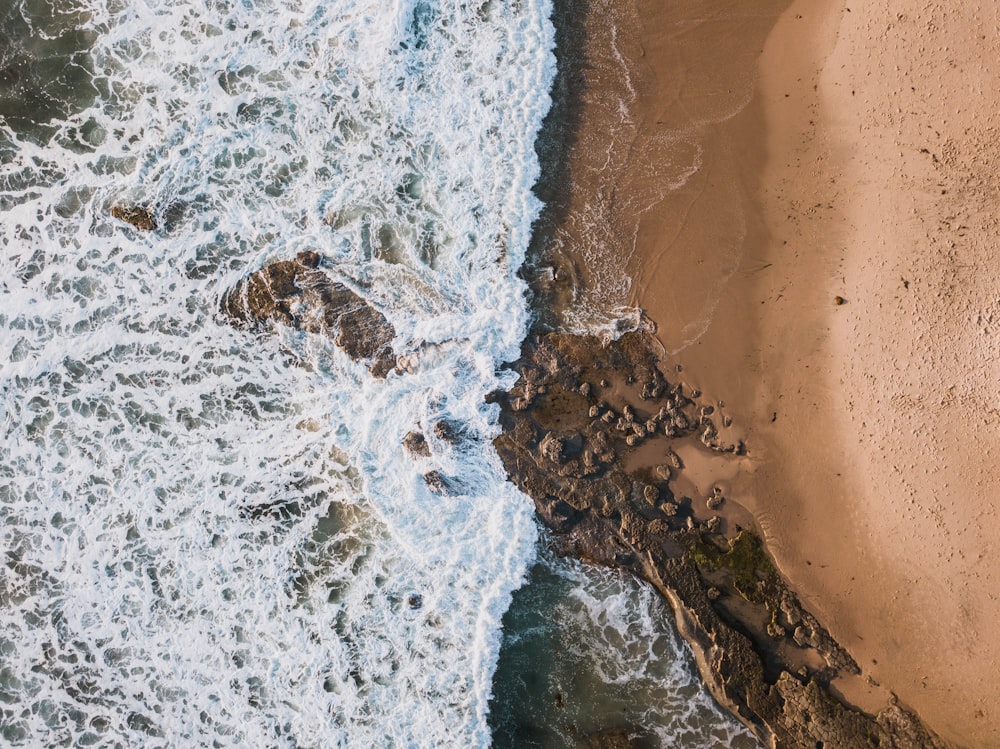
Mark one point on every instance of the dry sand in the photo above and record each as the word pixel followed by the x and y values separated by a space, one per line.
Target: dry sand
pixel 890 201
pixel 862 163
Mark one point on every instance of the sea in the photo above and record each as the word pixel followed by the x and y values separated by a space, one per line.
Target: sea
pixel 213 537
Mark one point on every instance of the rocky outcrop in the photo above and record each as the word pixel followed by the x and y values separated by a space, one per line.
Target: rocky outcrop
pixel 571 424
pixel 299 293
pixel 140 217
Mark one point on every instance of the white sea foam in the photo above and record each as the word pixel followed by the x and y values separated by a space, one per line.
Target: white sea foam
pixel 205 543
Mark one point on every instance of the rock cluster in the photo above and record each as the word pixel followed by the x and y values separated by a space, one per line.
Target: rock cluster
pixel 578 413
pixel 300 294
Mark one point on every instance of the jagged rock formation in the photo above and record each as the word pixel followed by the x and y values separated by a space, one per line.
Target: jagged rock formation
pixel 416 444
pixel 572 426
pixel 300 294
pixel 572 423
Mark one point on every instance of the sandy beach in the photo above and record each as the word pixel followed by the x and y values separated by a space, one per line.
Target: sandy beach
pixel 806 193
pixel 883 484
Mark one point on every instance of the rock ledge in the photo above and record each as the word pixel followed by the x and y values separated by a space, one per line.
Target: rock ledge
pixel 571 424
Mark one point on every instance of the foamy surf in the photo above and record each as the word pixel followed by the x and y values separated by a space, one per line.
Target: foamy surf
pixel 217 539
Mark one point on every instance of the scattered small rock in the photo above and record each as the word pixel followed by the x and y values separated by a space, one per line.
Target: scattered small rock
pixel 520 404
pixel 801 636
pixel 715 499
pixel 551 448
pixel 668 508
pixel 658 527
pixel 709 435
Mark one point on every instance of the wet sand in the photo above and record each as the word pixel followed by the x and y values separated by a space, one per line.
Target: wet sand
pixel 759 160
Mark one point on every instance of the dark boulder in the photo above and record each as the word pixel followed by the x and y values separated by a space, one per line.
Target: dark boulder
pixel 416 444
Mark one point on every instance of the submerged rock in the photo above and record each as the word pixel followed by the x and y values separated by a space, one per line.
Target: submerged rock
pixel 438 483
pixel 416 444
pixel 618 738
pixel 300 294
pixel 447 432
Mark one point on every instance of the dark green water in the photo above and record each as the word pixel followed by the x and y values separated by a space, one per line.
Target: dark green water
pixel 587 650
pixel 45 68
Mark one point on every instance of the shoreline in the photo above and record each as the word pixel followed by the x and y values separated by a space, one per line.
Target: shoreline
pixel 578 429
pixel 784 158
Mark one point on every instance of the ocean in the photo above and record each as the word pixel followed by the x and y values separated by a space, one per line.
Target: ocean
pixel 215 537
